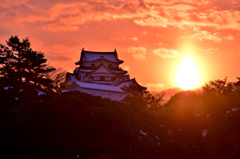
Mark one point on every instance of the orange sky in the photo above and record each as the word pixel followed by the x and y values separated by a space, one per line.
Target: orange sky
pixel 150 36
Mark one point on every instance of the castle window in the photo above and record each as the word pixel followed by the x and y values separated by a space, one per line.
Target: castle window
pixel 102 78
pixel 110 67
pixel 113 78
pixel 78 77
pixel 93 66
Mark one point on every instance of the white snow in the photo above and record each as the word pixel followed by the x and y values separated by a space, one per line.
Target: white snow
pixel 204 133
pixel 41 93
pixel 169 132
pixel 99 87
pixel 94 56
pixel 235 109
pixel 196 114
pixel 141 131
pixel 6 88
pixel 232 110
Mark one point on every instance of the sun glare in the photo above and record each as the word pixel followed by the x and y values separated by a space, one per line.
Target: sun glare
pixel 187 75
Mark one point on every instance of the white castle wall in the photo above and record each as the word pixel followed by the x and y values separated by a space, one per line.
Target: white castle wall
pixel 118 96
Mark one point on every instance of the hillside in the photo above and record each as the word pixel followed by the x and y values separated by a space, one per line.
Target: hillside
pixel 76 125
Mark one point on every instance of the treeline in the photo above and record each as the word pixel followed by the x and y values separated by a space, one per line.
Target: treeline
pixel 36 121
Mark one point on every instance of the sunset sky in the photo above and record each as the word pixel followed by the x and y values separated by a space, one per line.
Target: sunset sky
pixel 152 37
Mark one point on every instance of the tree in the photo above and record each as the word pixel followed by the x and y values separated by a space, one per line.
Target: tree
pixel 143 101
pixel 222 88
pixel 20 65
pixel 58 77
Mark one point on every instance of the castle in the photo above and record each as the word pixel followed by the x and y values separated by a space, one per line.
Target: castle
pixel 98 73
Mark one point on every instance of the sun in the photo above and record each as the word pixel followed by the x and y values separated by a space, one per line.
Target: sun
pixel 187 75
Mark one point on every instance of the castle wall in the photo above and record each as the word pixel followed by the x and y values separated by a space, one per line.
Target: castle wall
pixel 118 96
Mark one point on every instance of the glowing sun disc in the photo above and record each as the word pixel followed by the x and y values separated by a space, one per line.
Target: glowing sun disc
pixel 187 76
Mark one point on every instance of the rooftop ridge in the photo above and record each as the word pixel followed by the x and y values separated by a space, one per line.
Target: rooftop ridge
pixel 98 52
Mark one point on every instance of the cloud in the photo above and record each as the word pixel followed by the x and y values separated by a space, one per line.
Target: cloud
pixel 133 38
pixel 56 27
pixel 126 68
pixel 159 88
pixel 229 37
pixel 166 53
pixel 71 14
pixel 139 53
pixel 205 35
pixel 209 51
pixel 155 88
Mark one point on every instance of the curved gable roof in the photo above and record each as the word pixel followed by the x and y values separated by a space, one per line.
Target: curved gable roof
pixel 102 70
pixel 93 56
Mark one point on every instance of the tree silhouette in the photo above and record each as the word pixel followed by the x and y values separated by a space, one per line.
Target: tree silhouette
pixel 20 65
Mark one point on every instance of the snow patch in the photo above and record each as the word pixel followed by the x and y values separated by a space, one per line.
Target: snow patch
pixel 232 110
pixel 196 114
pixel 161 125
pixel 169 132
pixel 141 131
pixel 204 133
pixel 235 109
pixel 6 88
pixel 41 93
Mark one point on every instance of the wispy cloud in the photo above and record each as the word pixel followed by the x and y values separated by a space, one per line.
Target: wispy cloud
pixel 229 37
pixel 205 35
pixel 139 53
pixel 155 88
pixel 166 53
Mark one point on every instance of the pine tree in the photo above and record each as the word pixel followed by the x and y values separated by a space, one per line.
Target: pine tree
pixel 21 66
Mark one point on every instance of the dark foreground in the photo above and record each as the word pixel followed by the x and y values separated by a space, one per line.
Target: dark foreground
pixel 76 125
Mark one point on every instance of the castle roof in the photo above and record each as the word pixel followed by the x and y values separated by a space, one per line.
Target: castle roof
pixel 106 77
pixel 94 56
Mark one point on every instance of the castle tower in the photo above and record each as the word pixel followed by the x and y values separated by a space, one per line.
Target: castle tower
pixel 99 74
